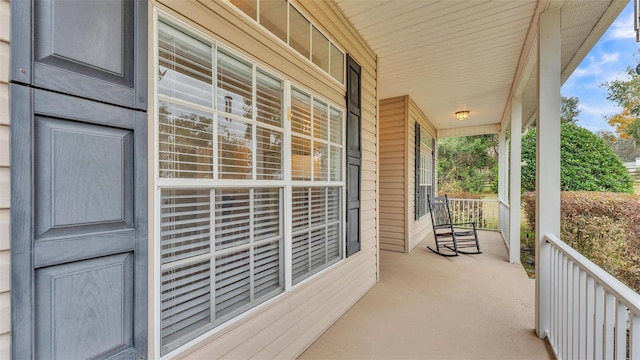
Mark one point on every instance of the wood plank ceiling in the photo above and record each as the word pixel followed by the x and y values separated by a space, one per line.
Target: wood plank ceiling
pixel 452 55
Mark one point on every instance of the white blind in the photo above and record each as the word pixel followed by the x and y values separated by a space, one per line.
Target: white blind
pixel 242 257
pixel 316 230
pixel 185 301
pixel 320 161
pixel 320 120
pixel 184 142
pixel 233 282
pixel 300 112
pixel 235 86
pixel 267 269
pixel 184 66
pixel 186 130
pixel 268 99
pixel 184 224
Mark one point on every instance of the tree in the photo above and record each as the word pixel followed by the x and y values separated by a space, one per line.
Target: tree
pixel 625 92
pixel 569 109
pixel 624 148
pixel 465 163
pixel 587 163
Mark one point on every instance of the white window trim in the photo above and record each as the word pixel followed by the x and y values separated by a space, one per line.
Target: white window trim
pixel 158 184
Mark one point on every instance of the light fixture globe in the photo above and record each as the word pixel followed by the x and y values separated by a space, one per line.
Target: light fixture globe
pixel 462 115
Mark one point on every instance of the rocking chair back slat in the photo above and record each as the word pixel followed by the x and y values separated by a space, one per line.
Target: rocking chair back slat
pixel 448 238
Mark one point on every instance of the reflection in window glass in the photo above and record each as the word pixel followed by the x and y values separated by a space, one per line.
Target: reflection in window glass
pixel 184 142
pixel 248 7
pixel 268 154
pixel 268 99
pixel 337 64
pixel 335 126
pixel 234 86
pixel 273 16
pixel 301 112
pixel 320 161
pixel 300 159
pixel 299 32
pixel 234 149
pixel 320 120
pixel 184 66
pixel 336 164
pixel 320 50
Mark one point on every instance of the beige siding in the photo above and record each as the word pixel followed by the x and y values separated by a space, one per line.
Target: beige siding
pixel 399 231
pixel 5 267
pixel 418 229
pixel 286 325
pixel 393 163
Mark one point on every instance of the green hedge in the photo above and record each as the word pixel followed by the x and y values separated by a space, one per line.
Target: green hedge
pixel 604 227
pixel 587 163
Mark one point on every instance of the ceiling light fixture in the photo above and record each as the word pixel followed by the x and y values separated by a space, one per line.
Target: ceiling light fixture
pixel 462 115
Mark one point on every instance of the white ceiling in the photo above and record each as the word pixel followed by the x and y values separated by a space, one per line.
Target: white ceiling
pixel 451 55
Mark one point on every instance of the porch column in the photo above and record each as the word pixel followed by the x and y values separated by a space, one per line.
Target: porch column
pixel 503 185
pixel 547 159
pixel 514 191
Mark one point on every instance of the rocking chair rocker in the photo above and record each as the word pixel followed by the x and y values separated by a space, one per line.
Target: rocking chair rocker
pixel 450 238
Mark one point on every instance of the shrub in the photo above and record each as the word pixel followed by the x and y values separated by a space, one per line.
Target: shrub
pixel 604 227
pixel 587 163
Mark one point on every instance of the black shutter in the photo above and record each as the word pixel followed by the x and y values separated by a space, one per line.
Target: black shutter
pixel 79 179
pixel 354 155
pixel 419 196
pixel 432 189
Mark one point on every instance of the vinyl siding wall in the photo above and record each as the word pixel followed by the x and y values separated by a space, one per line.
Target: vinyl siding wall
pixel 285 326
pixel 393 168
pixel 5 267
pixel 418 229
pixel 399 231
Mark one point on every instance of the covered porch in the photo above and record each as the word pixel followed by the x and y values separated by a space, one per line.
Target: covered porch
pixel 504 62
pixel 427 306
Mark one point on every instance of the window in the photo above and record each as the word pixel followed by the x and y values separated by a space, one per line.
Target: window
pixel 223 187
pixel 273 16
pixel 316 153
pixel 424 169
pixel 297 31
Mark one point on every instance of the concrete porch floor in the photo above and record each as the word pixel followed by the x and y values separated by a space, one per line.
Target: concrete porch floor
pixel 431 307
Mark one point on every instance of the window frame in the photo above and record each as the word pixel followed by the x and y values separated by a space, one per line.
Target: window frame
pixel 309 59
pixel 285 184
pixel 423 152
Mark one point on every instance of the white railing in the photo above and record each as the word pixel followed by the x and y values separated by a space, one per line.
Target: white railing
pixel 483 212
pixel 503 220
pixel 593 314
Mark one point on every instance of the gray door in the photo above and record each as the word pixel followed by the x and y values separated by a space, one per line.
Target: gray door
pixel 79 179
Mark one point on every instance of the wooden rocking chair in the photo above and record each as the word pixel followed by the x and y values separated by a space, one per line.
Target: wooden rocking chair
pixel 451 238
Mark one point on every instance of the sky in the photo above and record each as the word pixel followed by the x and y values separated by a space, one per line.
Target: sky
pixel 607 61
